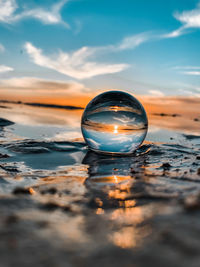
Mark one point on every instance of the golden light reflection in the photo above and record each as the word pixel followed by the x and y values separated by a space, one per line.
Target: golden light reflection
pixel 31 191
pixel 117 194
pixel 114 179
pixel 127 203
pixel 99 202
pixel 121 129
pixel 125 238
pixel 100 211
pixel 132 215
pixel 122 191
pixel 133 234
pixel 114 108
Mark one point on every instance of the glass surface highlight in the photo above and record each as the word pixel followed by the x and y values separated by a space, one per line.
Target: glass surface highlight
pixel 114 122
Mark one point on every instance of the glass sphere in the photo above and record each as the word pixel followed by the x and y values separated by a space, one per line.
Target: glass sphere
pixel 114 122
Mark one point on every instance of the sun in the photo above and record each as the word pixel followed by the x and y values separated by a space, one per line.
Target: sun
pixel 115 129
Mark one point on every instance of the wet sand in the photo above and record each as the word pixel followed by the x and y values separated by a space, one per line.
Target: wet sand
pixel 63 205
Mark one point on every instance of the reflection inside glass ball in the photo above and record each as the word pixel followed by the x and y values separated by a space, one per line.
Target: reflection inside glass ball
pixel 114 122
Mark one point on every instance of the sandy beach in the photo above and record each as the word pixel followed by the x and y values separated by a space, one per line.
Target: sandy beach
pixel 63 205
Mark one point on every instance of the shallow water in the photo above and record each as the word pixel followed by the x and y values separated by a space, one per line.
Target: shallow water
pixel 63 205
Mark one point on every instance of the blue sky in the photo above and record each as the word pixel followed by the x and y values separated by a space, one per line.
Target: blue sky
pixel 145 47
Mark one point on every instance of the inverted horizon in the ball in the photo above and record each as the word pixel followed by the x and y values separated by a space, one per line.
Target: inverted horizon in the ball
pixel 114 122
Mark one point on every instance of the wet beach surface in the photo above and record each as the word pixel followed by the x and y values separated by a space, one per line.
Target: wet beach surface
pixel 63 205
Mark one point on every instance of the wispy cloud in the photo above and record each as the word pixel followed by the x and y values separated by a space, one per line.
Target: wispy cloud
pixel 176 33
pixel 133 41
pixel 75 64
pixel 188 70
pixel 4 69
pixel 156 93
pixel 127 43
pixel 196 73
pixel 80 64
pixel 189 89
pixel 7 9
pixel 9 13
pixel 2 48
pixel 189 19
pixel 124 119
pixel 43 85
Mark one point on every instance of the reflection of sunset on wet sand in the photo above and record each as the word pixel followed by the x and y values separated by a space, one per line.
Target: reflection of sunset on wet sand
pixel 116 189
pixel 99 133
pixel 109 201
pixel 176 113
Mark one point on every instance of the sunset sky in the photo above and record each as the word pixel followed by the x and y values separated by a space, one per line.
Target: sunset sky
pixel 75 47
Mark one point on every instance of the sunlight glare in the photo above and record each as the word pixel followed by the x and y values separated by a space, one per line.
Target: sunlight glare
pixel 115 129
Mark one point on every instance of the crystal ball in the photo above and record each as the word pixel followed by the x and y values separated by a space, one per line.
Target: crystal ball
pixel 114 122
